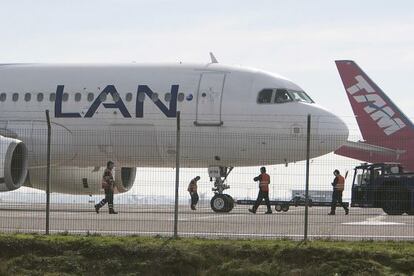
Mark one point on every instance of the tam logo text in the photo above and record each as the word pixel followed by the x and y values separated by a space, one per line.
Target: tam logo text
pixel 376 107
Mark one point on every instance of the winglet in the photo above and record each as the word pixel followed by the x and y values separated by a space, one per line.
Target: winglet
pixel 213 58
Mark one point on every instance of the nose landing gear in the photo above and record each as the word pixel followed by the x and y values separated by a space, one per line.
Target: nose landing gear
pixel 220 203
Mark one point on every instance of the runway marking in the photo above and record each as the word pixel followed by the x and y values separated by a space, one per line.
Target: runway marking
pixel 219 216
pixel 192 218
pixel 375 221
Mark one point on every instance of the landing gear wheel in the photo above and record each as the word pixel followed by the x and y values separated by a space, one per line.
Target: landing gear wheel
pixel 285 208
pixel 278 208
pixel 230 203
pixel 221 203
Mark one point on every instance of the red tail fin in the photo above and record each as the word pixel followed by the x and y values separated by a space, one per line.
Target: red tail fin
pixel 379 119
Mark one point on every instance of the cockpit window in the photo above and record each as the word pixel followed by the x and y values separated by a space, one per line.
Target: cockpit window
pixel 265 96
pixel 300 96
pixel 282 96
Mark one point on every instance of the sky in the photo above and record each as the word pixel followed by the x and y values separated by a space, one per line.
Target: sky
pixel 297 39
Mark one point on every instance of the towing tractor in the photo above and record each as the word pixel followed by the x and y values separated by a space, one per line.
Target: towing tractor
pixel 383 185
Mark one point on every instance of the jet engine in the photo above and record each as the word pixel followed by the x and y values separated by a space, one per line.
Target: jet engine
pixel 13 164
pixel 76 180
pixel 124 179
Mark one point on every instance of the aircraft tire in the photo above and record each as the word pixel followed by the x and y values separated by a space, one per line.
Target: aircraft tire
pixel 221 203
pixel 230 203
pixel 285 207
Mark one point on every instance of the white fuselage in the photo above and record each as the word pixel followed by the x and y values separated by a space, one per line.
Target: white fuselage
pixel 222 123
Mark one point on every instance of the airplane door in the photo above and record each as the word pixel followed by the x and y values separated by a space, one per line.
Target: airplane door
pixel 209 99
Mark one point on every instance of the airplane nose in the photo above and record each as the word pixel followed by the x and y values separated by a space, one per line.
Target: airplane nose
pixel 328 131
pixel 332 132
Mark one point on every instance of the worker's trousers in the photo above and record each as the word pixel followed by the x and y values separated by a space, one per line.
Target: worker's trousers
pixel 109 197
pixel 337 197
pixel 194 198
pixel 262 195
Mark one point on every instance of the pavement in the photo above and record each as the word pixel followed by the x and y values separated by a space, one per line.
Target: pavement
pixel 150 220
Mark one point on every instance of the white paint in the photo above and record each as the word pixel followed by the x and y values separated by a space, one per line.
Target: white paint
pixel 80 144
pixel 376 108
pixel 375 221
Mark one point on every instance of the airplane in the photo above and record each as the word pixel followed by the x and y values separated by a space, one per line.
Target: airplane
pixel 387 132
pixel 230 116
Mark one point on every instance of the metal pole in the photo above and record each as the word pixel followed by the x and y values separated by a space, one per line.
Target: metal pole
pixel 49 134
pixel 307 178
pixel 177 175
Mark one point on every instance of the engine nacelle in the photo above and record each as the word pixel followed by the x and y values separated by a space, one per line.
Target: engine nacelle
pixel 13 164
pixel 124 179
pixel 75 180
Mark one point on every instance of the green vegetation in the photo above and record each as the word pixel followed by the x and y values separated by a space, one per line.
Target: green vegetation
pixel 105 255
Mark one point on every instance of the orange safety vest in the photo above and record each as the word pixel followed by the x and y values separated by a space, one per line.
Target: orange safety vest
pixel 192 187
pixel 107 179
pixel 264 182
pixel 340 185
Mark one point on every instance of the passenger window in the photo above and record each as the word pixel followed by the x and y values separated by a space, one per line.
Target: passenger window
pixel 3 97
pixel 102 97
pixel 154 97
pixel 265 96
pixel 128 97
pixel 282 96
pixel 40 97
pixel 141 97
pixel 27 97
pixel 15 97
pixel 167 97
pixel 65 97
pixel 52 97
pixel 78 97
pixel 115 97
pixel 90 97
pixel 180 97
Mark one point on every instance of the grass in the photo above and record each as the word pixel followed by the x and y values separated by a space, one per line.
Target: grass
pixel 24 254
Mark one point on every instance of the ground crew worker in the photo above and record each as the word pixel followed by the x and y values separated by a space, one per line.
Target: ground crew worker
pixel 108 184
pixel 264 181
pixel 338 187
pixel 192 189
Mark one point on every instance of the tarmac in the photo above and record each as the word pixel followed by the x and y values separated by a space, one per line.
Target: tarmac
pixel 150 220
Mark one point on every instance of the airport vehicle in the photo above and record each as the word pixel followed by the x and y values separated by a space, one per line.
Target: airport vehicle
pixel 383 185
pixel 230 116
pixel 387 132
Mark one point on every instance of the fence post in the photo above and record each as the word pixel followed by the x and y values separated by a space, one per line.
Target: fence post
pixel 49 134
pixel 307 178
pixel 177 175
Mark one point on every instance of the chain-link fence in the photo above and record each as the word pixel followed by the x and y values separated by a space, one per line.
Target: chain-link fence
pixel 380 198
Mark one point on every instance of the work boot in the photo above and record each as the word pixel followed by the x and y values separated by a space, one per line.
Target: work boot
pixel 112 211
pixel 331 214
pixel 346 211
pixel 269 212
pixel 252 211
pixel 193 207
pixel 97 208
